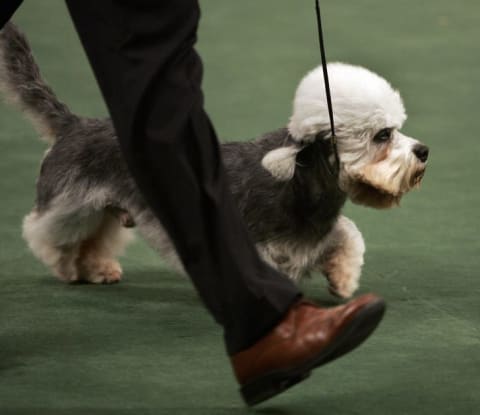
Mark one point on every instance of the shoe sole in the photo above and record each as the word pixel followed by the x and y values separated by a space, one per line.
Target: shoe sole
pixel 354 334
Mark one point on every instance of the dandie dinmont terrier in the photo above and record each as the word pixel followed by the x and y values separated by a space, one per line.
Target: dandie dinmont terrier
pixel 282 182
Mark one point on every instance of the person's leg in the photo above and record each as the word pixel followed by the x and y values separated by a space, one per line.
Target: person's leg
pixel 7 8
pixel 142 53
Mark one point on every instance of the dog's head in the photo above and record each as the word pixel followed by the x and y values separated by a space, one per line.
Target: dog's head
pixel 378 164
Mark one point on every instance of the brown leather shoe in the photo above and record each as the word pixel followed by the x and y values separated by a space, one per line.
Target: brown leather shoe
pixel 308 336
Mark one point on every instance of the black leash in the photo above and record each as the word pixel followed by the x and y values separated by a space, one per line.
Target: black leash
pixel 333 138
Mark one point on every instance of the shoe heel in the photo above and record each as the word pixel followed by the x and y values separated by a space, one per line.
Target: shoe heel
pixel 268 386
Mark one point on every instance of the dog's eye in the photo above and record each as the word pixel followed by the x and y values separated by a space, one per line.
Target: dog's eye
pixel 383 135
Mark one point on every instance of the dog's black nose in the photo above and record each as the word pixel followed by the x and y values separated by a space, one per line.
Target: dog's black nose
pixel 421 151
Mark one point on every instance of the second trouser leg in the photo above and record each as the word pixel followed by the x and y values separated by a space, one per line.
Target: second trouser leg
pixel 150 75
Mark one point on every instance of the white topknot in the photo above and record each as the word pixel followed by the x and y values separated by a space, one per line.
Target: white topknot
pixel 359 97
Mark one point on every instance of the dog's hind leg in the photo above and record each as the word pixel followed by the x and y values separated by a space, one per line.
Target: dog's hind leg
pixel 55 236
pixel 96 260
pixel 342 258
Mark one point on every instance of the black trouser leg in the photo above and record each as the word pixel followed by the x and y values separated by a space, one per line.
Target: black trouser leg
pixel 7 8
pixel 150 75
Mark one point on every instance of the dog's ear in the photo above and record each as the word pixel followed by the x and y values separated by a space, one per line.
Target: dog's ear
pixel 305 129
pixel 281 162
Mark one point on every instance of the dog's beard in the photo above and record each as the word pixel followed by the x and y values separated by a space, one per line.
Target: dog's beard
pixel 363 193
pixel 382 185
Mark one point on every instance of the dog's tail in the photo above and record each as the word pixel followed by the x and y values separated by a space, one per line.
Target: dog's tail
pixel 21 82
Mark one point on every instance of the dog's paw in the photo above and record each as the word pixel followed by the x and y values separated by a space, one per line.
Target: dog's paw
pixel 343 289
pixel 343 274
pixel 101 271
pixel 69 276
pixel 65 270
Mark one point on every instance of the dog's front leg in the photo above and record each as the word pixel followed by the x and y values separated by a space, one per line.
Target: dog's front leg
pixel 342 257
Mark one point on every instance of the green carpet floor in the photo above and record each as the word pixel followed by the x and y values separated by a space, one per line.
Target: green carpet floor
pixel 146 346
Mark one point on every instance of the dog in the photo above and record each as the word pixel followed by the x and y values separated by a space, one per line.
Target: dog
pixel 283 182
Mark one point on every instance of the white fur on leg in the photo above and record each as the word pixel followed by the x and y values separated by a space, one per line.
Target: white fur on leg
pixel 342 260
pixel 76 240
pixel 97 255
pixel 54 238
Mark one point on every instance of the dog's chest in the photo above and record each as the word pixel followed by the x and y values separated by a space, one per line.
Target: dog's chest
pixel 294 257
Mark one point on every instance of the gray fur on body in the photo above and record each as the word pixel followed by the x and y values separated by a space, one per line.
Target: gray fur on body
pixel 86 164
pixel 88 158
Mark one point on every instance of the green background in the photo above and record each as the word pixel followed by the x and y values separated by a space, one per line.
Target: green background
pixel 147 346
